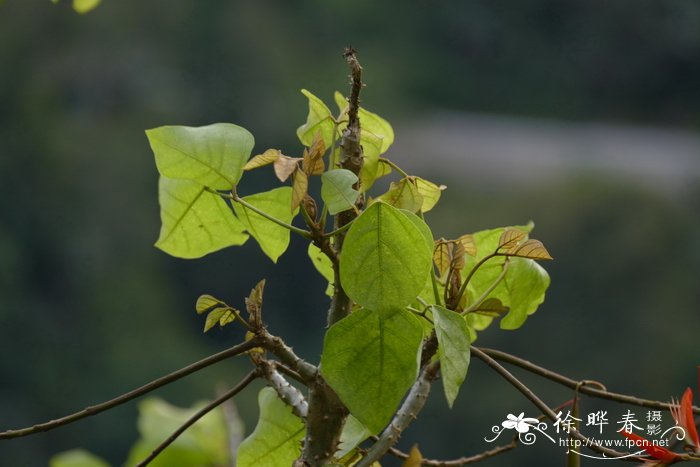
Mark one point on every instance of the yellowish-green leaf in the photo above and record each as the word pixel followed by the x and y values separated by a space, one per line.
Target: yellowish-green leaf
pixel 85 6
pixel 429 191
pixel 383 169
pixel 261 160
pixel 354 432
pixel 207 302
pixel 404 194
pixel 337 190
pixel 204 443
pixel 272 238
pixel 533 249
pixel 212 155
pixel 300 187
pixel 77 458
pixel 323 265
pixel 285 166
pixel 221 316
pixel 453 349
pixel 195 222
pixel 414 459
pixel 277 438
pixel 319 120
pixel 526 283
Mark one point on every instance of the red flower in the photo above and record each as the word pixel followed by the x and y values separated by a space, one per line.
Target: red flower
pixel 683 415
pixel 657 452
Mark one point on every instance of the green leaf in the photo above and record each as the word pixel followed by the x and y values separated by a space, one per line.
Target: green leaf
pixel 85 6
pixel 319 120
pixel 277 437
pixel 453 349
pixel 323 265
pixel 370 359
pixel 77 458
pixel 385 259
pixel 526 282
pixel 213 156
pixel 337 191
pixel 204 443
pixel 272 238
pixel 422 227
pixel 523 288
pixel 354 432
pixel 194 221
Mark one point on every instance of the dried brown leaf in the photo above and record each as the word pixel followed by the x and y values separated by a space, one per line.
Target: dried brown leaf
pixel 285 166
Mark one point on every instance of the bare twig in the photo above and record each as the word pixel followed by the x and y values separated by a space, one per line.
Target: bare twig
pixel 546 410
pixel 573 384
pixel 126 397
pixel 249 378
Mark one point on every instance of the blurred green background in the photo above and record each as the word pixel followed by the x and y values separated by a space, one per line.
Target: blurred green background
pixel 580 115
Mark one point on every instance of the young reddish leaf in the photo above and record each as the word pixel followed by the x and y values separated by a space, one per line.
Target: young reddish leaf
pixel 285 166
pixel 491 307
pixel 468 243
pixel 313 157
pixel 511 238
pixel 683 416
pixel 254 304
pixel 414 459
pixel 261 160
pixel 533 249
pixel 657 452
pixel 457 254
pixel 687 412
pixel 441 256
pixel 299 188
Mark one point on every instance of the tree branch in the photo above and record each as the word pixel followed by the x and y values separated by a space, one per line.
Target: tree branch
pixel 286 391
pixel 406 414
pixel 573 384
pixel 527 392
pixel 249 378
pixel 126 397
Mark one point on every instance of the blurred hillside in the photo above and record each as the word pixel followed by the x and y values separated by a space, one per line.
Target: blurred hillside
pixel 88 308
